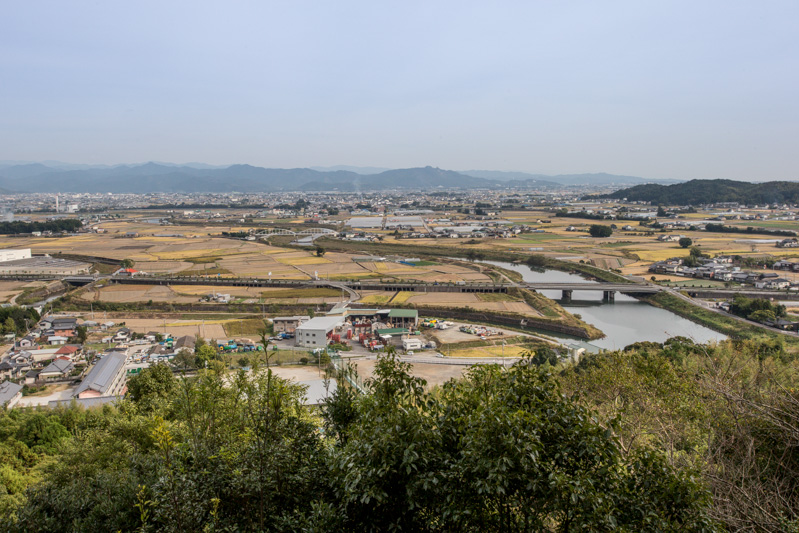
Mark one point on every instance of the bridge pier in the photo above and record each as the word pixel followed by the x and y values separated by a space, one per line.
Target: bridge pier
pixel 567 295
pixel 609 296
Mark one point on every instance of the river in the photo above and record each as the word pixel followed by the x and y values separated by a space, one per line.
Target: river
pixel 624 321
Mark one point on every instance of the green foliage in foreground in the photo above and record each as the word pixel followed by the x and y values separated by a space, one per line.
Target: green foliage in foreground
pixel 495 451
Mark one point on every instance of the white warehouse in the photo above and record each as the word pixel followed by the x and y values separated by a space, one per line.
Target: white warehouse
pixel 12 255
pixel 313 334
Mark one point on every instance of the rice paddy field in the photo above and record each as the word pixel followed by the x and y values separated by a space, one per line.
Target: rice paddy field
pixel 178 328
pixel 197 250
pixel 198 254
pixel 10 289
pixel 120 293
pixel 504 303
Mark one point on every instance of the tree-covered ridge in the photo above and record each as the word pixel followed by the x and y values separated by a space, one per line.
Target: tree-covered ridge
pixel 697 192
pixel 498 450
pixel 17 227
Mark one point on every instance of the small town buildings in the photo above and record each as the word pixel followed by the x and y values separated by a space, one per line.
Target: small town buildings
pixel 288 324
pixel 27 342
pixel 58 369
pixel 106 378
pixel 31 377
pixel 39 356
pixel 10 394
pixel 7 370
pixel 411 343
pixel 187 342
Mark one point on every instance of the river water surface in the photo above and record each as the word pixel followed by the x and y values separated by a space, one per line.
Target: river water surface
pixel 624 322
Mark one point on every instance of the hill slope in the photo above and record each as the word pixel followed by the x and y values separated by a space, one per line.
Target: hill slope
pixel 696 192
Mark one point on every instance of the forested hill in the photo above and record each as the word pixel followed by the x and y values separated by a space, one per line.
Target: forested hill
pixel 696 192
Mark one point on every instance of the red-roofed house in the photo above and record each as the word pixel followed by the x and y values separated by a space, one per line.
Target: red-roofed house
pixel 68 351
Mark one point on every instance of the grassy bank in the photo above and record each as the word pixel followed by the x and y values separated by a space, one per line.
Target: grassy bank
pixel 723 324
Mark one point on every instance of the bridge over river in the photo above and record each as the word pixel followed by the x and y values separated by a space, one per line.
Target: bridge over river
pixel 354 287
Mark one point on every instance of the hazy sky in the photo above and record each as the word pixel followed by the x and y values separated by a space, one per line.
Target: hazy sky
pixel 695 89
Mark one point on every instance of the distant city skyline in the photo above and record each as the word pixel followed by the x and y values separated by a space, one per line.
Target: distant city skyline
pixel 676 90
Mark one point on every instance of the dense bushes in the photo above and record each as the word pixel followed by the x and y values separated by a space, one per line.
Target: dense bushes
pixel 495 451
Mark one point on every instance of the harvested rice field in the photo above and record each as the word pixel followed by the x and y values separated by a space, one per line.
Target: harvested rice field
pixel 9 289
pixel 178 328
pixel 135 293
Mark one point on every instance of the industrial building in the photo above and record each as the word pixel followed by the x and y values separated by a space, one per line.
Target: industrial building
pixel 44 265
pixel 13 255
pixel 314 333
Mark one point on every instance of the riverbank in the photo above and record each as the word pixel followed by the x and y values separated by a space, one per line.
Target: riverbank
pixel 728 325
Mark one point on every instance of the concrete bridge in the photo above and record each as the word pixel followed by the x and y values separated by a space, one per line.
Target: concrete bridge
pixel 608 289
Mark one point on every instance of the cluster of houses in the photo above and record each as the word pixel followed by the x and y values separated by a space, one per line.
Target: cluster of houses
pixel 41 358
pixel 721 269
pixel 49 354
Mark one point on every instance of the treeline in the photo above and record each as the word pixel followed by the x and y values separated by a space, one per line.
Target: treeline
pixel 498 450
pixel 55 226
pixel 18 319
pixel 757 309
pixel 698 192
pixel 721 228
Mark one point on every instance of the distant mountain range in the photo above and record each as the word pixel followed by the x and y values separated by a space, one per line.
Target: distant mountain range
pixel 697 192
pixel 565 179
pixel 197 177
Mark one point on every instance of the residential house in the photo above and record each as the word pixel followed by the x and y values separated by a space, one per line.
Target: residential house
pixel 772 283
pixel 782 324
pixel 60 368
pixel 44 354
pixel 122 335
pixel 186 342
pixel 9 370
pixel 10 394
pixel 70 351
pixel 29 341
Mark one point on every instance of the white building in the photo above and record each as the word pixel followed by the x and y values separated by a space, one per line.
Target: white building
pixel 13 255
pixel 411 344
pixel 313 334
